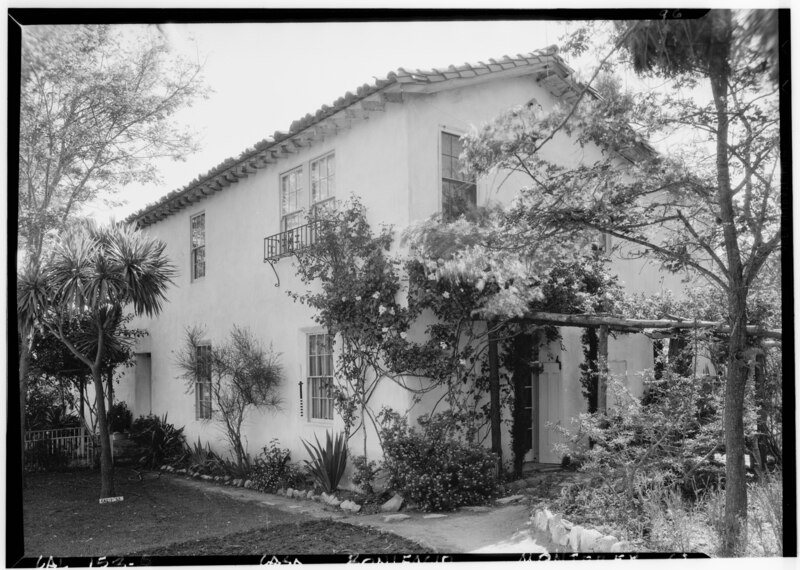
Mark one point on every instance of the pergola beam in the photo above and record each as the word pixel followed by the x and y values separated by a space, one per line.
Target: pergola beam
pixel 584 320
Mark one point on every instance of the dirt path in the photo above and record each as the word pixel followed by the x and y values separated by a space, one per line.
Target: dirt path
pixel 497 529
pixel 500 529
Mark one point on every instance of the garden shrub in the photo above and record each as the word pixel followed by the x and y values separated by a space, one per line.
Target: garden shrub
pixel 364 473
pixel 161 441
pixel 201 459
pixel 432 466
pixel 119 417
pixel 272 469
pixel 328 462
pixel 42 457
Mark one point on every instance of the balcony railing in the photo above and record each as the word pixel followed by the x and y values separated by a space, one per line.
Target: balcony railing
pixel 290 241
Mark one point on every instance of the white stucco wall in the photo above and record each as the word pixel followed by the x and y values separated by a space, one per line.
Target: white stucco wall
pixel 392 162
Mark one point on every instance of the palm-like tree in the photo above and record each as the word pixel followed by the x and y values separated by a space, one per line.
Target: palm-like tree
pixel 96 272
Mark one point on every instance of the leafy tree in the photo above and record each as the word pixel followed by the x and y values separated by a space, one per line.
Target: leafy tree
pixel 52 360
pixel 710 209
pixel 95 108
pixel 241 374
pixel 94 274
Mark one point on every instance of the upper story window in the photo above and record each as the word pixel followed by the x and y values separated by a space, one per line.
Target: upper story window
pixel 323 181
pixel 198 256
pixel 292 199
pixel 202 386
pixel 320 375
pixel 295 199
pixel 459 190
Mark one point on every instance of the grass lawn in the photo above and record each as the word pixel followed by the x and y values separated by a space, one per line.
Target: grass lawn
pixel 62 518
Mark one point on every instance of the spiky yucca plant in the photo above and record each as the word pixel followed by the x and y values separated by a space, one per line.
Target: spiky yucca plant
pixel 327 463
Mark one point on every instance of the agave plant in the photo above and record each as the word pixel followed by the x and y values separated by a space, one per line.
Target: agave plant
pixel 327 463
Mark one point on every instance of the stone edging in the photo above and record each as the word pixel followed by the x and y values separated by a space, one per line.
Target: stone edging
pixel 227 480
pixel 575 538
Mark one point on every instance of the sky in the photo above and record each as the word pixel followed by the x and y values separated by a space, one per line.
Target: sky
pixel 264 76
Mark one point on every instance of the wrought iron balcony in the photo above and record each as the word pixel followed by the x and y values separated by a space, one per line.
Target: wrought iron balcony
pixel 289 242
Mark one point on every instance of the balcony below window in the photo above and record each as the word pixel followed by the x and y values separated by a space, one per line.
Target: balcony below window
pixel 289 242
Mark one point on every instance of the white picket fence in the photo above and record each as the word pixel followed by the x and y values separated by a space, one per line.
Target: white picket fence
pixel 67 445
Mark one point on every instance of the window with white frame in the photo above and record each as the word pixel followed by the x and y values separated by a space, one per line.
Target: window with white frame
pixel 320 376
pixel 323 181
pixel 459 190
pixel 293 199
pixel 202 386
pixel 198 245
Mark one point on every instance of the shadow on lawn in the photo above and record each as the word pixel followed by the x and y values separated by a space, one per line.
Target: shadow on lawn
pixel 63 518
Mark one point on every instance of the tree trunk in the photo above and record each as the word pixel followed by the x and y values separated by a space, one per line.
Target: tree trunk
pixel 81 382
pixel 735 481
pixel 106 462
pixel 735 475
pixel 110 382
pixel 494 398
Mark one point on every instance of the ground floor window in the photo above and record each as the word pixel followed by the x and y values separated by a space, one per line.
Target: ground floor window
pixel 320 375
pixel 202 386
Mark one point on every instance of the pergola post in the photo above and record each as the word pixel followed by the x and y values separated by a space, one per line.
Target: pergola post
pixel 602 368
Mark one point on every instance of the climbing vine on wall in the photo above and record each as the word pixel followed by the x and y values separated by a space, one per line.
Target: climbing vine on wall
pixel 424 330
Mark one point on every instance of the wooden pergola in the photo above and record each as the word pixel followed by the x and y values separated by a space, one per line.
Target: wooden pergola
pixel 604 324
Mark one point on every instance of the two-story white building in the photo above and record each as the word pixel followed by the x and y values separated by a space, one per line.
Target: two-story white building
pixel 394 144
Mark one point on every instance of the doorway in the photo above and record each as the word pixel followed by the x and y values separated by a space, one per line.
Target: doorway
pixel 546 406
pixel 143 391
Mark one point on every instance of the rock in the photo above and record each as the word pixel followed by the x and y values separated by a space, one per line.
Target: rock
pixel 392 505
pixel 509 500
pixel 540 520
pixel 621 546
pixel 311 496
pixel 206 477
pixel 605 543
pixel 554 521
pixel 574 538
pixel 350 506
pixel 434 516
pixel 325 497
pixel 589 539
pixel 240 483
pixel 163 467
pixel 290 492
pixel 559 534
pixel 396 517
pixel 248 484
pixel 334 502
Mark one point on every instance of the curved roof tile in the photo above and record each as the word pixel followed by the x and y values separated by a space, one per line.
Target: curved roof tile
pixel 172 202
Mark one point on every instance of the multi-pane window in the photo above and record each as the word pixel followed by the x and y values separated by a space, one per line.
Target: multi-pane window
pixel 202 385
pixel 292 199
pixel 323 181
pixel 459 191
pixel 198 225
pixel 320 375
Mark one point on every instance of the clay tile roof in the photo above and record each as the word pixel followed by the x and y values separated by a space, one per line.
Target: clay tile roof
pixel 227 172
